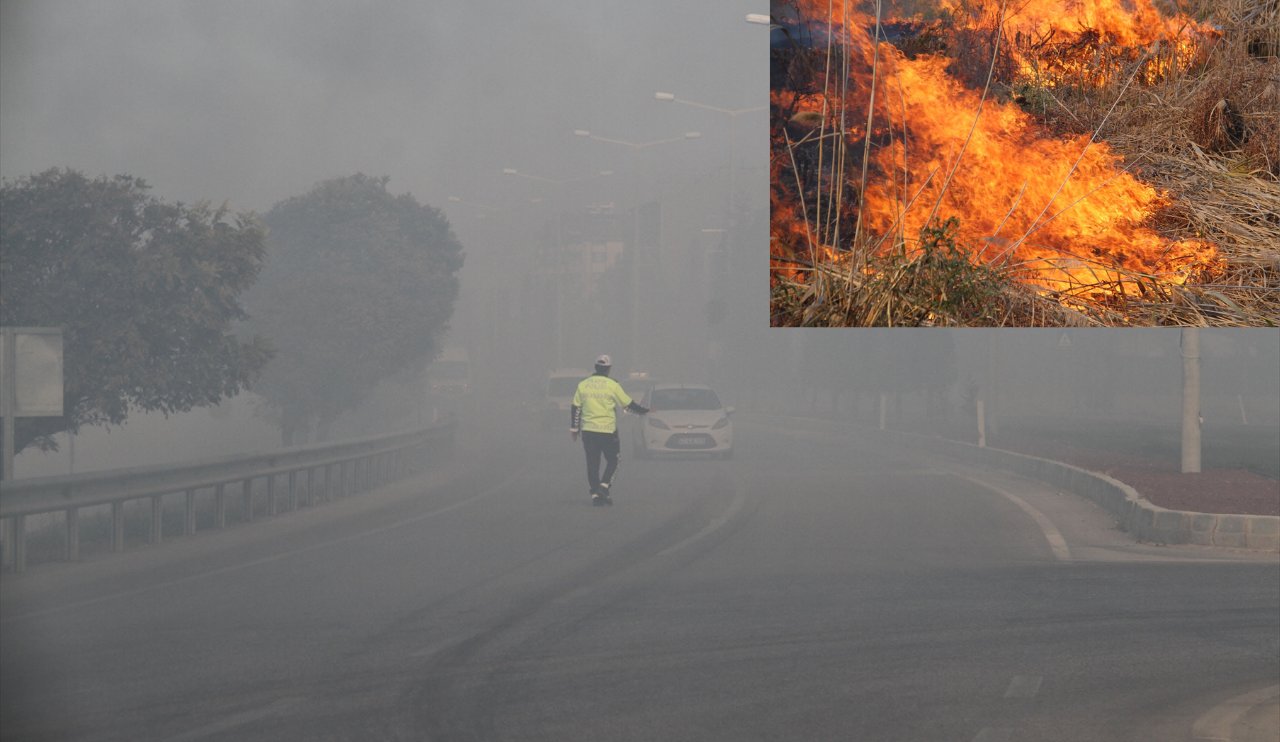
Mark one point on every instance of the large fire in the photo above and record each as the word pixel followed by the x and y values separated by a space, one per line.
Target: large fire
pixel 1064 213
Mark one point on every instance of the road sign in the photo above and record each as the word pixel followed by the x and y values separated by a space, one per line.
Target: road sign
pixel 35 371
pixel 30 380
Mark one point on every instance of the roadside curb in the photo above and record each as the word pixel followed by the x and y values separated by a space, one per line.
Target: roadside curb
pixel 1134 513
pixel 1141 518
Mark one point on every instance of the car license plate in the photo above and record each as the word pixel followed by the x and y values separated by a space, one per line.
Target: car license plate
pixel 688 440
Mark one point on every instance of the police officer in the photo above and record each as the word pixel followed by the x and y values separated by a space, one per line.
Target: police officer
pixel 594 417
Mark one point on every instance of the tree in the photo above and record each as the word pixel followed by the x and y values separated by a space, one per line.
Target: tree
pixel 146 293
pixel 359 284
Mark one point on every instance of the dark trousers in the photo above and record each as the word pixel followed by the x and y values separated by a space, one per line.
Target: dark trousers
pixel 595 444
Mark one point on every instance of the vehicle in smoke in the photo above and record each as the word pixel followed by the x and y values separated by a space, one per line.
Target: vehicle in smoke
pixel 450 381
pixel 683 418
pixel 450 374
pixel 558 396
pixel 636 383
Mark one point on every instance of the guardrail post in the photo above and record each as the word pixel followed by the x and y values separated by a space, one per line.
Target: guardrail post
pixel 246 489
pixel 157 518
pixel 189 524
pixel 19 543
pixel 73 534
pixel 6 542
pixel 220 505
pixel 117 526
pixel 345 470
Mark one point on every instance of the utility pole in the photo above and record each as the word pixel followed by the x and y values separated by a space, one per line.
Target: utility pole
pixel 1190 400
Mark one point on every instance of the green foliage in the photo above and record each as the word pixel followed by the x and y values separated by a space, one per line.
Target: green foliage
pixel 146 293
pixel 942 279
pixel 933 284
pixel 1033 97
pixel 359 285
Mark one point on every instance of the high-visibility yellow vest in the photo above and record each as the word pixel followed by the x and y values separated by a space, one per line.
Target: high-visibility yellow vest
pixel 596 396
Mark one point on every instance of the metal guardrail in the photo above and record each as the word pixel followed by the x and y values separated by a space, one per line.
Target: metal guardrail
pixel 310 474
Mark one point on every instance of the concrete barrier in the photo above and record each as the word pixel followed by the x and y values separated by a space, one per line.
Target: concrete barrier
pixel 1143 519
pixel 1134 513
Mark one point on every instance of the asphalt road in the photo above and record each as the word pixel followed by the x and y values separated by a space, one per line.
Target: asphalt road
pixel 816 587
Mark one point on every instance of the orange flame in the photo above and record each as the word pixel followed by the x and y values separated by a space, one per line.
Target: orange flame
pixel 1064 212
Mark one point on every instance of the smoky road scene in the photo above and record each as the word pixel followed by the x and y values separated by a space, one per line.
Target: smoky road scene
pixel 402 371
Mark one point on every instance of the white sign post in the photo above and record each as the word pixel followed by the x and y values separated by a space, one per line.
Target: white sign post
pixel 30 386
pixel 30 379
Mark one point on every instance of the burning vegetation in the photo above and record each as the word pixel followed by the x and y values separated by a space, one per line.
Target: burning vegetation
pixel 1025 162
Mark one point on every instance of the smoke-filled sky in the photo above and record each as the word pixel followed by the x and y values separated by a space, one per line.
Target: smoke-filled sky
pixel 252 102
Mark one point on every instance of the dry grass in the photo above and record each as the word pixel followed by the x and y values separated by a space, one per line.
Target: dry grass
pixel 1209 138
pixel 1207 134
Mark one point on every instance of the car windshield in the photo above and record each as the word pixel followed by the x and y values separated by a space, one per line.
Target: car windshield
pixel 684 399
pixel 562 386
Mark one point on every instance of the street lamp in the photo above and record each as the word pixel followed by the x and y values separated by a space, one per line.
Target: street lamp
pixel 556 181
pixel 671 97
pixel 732 113
pixel 480 205
pixel 559 244
pixel 635 147
pixel 586 134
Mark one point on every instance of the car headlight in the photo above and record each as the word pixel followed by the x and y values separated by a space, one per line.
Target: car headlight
pixel 654 422
pixel 720 423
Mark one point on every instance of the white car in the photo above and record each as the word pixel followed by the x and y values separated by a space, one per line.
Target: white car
pixel 558 396
pixel 683 418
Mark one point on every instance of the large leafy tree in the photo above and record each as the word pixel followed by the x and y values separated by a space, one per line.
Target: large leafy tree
pixel 146 293
pixel 359 285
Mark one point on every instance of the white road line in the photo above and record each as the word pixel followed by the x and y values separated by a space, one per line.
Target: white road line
pixel 994 734
pixel 258 562
pixel 714 525
pixel 1024 686
pixel 1051 533
pixel 1215 725
pixel 236 720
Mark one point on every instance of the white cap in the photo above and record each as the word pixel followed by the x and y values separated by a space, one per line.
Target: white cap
pixel 604 360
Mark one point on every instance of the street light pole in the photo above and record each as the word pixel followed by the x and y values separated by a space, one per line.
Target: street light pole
pixel 1190 400
pixel 558 266
pixel 732 113
pixel 635 221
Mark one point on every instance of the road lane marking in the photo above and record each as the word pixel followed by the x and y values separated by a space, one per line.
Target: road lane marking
pixel 263 560
pixel 1215 725
pixel 277 708
pixel 994 734
pixel 1024 686
pixel 1051 533
pixel 736 505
